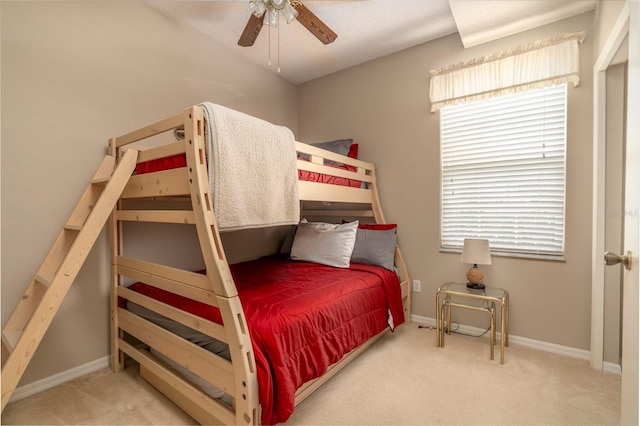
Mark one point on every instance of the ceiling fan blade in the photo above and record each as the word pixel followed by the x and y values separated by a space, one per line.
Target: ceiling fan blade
pixel 251 31
pixel 314 24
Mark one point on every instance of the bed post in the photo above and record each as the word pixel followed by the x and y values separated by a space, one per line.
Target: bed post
pixel 243 361
pixel 399 259
pixel 115 248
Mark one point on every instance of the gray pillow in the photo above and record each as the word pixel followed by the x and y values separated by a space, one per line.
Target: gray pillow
pixel 375 247
pixel 324 243
pixel 340 146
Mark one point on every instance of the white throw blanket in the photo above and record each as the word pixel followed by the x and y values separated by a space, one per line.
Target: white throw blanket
pixel 252 170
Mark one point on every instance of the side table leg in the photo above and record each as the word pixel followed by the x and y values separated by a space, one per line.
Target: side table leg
pixel 505 311
pixel 503 336
pixel 443 311
pixel 492 326
pixel 493 332
pixel 438 325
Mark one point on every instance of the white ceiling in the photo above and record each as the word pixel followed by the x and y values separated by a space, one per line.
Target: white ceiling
pixel 367 29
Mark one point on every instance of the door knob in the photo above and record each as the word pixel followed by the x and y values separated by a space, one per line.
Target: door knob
pixel 614 259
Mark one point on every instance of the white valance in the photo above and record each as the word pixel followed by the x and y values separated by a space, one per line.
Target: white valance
pixel 539 64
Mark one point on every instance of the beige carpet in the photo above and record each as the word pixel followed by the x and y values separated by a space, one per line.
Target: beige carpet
pixel 403 379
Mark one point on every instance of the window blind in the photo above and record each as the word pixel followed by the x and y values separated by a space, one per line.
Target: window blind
pixel 503 172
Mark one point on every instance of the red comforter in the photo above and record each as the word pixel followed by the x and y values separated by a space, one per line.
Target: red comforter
pixel 302 318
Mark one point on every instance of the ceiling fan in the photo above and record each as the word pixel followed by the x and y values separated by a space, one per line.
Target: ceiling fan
pixel 267 11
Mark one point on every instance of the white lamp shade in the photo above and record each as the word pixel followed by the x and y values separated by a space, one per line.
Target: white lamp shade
pixel 476 251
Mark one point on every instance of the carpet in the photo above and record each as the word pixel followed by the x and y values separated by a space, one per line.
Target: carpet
pixel 403 379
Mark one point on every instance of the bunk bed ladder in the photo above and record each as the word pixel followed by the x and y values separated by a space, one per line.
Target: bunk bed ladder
pixel 35 311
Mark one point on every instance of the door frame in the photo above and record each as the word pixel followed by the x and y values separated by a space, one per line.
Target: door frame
pixel 611 46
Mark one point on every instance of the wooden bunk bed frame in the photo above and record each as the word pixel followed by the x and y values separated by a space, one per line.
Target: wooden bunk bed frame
pixel 216 287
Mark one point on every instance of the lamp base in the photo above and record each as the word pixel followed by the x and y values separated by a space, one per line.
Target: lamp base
pixel 475 286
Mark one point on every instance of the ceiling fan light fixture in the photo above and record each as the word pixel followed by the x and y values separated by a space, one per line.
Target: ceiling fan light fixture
pixel 258 7
pixel 289 13
pixel 271 19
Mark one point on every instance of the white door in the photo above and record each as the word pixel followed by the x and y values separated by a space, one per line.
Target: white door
pixel 628 24
pixel 631 230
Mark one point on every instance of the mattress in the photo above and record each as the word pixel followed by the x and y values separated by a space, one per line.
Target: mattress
pixel 195 337
pixel 180 160
pixel 302 317
pixel 329 179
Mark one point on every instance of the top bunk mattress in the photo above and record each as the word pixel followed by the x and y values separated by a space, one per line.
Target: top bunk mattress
pixel 303 317
pixel 180 160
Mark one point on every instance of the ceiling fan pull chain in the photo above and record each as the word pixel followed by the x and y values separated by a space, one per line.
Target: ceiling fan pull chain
pixel 278 26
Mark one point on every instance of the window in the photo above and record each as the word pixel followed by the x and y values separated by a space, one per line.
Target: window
pixel 503 172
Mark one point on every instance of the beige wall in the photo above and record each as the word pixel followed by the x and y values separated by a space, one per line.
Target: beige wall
pixel 73 75
pixel 384 106
pixel 606 17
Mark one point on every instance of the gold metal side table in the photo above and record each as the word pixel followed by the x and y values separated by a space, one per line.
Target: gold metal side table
pixel 456 295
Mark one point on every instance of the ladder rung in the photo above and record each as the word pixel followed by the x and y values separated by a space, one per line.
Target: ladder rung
pixel 44 280
pixel 72 227
pixel 105 171
pixel 101 180
pixel 10 339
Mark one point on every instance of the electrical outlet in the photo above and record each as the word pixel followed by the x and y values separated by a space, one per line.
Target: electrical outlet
pixel 417 286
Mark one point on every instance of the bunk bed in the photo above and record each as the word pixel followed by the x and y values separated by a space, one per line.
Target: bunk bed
pixel 230 343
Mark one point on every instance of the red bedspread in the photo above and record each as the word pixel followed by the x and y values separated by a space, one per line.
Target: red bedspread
pixel 302 318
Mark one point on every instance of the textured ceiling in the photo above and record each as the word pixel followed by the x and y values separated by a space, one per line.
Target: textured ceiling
pixel 367 29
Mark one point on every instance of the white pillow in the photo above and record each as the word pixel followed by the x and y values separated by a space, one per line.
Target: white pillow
pixel 325 243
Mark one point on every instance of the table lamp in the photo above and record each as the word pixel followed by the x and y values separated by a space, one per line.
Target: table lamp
pixel 476 251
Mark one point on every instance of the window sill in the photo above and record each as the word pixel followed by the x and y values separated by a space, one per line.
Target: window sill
pixel 531 256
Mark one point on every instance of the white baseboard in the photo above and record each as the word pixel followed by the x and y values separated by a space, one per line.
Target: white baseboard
pixel 610 367
pixel 57 379
pixel 529 343
pixel 65 376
